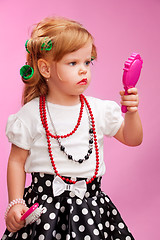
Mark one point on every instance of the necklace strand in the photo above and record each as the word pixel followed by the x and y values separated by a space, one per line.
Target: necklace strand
pixel 43 116
pixel 63 149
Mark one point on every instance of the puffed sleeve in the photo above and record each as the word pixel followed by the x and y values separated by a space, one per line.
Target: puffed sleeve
pixel 113 118
pixel 18 133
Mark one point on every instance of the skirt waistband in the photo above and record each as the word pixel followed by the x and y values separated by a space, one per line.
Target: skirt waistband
pixel 43 184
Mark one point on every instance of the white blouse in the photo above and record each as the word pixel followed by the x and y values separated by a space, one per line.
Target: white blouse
pixel 25 130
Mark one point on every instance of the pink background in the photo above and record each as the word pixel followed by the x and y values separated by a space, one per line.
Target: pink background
pixel 120 27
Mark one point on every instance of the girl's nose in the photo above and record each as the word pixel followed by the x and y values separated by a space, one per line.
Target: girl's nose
pixel 82 71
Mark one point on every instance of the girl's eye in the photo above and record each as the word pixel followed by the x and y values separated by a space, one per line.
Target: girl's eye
pixel 87 63
pixel 72 63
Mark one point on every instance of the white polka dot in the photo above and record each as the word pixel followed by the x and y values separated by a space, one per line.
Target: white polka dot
pixel 68 237
pixel 107 224
pixel 102 200
pixel 15 237
pixel 90 221
pixel 76 218
pixel 93 187
pixel 107 199
pixel 49 200
pixel 108 213
pixel 41 237
pixel 52 216
pixel 24 235
pixel 94 197
pixel 71 210
pixel 46 226
pixel 35 180
pixel 114 211
pixel 128 238
pixel 38 222
pixel 73 234
pixel 97 193
pixel 4 237
pixel 121 225
pixel 41 175
pixel 40 189
pixel 34 199
pixel 101 210
pixel 48 183
pixel 69 201
pixel 29 201
pixel 44 209
pixel 62 209
pixel 112 228
pixel 58 236
pixel 100 226
pixel 87 194
pixel 93 213
pixel 84 211
pixel 54 233
pixel 81 228
pixel 117 239
pixel 94 203
pixel 79 201
pixel 57 205
pixel 87 237
pixel 63 227
pixel 71 194
pixel 105 234
pixel 96 232
pixel 44 197
pixel 30 190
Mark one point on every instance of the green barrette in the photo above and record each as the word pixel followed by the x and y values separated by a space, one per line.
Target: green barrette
pixel 26 46
pixel 26 72
pixel 47 46
pixel 92 58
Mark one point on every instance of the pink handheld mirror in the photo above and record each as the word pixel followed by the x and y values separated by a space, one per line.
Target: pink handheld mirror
pixel 132 70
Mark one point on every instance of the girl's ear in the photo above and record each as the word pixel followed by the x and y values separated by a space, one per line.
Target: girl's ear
pixel 44 68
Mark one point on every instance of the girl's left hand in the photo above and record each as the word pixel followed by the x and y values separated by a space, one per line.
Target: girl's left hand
pixel 131 100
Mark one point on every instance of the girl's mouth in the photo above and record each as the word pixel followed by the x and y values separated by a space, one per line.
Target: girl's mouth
pixel 83 81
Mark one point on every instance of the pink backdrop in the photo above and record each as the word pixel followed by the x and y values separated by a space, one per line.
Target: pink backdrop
pixel 120 27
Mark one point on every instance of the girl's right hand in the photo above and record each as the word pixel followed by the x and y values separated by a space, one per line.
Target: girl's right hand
pixel 13 220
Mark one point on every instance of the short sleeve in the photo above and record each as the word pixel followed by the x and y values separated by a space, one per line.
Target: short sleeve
pixel 113 118
pixel 17 132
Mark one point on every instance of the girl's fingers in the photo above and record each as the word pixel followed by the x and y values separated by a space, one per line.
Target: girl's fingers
pixel 132 109
pixel 129 103
pixel 129 98
pixel 132 91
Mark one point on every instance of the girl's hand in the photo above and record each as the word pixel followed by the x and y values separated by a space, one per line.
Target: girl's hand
pixel 13 220
pixel 131 100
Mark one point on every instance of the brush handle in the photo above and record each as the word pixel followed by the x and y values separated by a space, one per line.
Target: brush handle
pixel 30 211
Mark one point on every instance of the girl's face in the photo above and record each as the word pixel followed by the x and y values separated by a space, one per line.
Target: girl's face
pixel 71 75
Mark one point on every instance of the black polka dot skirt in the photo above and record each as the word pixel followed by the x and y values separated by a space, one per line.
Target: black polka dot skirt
pixel 68 217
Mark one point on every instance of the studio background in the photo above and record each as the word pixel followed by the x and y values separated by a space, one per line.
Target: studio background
pixel 119 27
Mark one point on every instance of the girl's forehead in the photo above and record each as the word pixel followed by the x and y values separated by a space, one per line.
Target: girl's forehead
pixel 84 51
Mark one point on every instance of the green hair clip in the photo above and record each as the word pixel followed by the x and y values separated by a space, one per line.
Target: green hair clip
pixel 92 58
pixel 47 46
pixel 26 46
pixel 26 72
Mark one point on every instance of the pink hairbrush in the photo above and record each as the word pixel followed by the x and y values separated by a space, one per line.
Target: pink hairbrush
pixel 132 70
pixel 32 214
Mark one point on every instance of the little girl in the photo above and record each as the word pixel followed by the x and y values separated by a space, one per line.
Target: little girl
pixel 57 136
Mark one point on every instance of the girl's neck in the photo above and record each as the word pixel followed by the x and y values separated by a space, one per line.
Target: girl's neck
pixel 67 100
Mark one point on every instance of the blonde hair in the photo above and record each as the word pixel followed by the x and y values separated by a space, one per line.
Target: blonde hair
pixel 66 36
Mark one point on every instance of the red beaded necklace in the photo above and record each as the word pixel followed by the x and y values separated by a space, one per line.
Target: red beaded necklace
pixel 42 108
